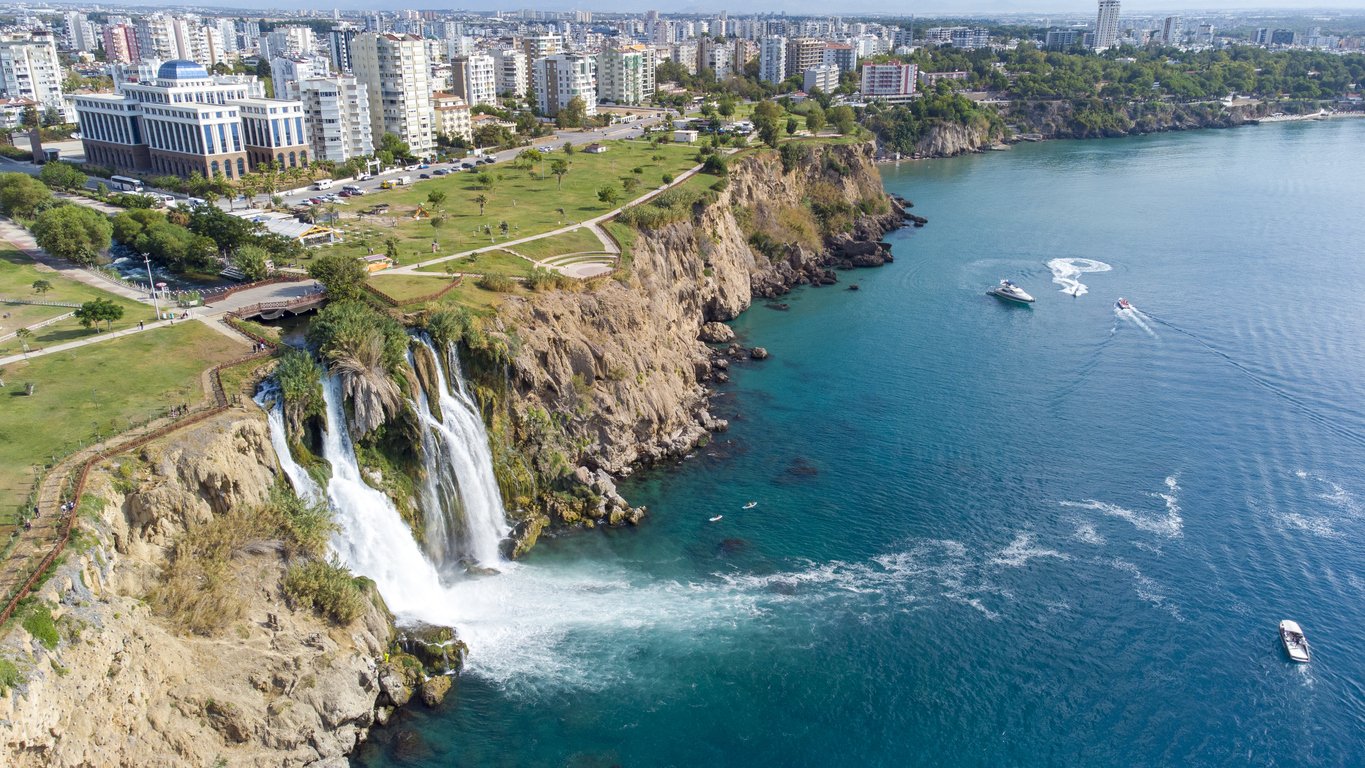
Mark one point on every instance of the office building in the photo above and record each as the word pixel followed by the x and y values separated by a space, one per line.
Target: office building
pixel 1061 39
pixel 274 131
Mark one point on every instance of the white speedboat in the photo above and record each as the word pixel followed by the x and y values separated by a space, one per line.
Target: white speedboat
pixel 1010 292
pixel 1295 644
pixel 716 518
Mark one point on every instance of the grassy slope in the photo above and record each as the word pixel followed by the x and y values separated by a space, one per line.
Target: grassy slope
pixel 97 390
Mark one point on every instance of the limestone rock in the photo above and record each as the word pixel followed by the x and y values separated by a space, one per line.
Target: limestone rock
pixel 434 690
pixel 758 353
pixel 716 333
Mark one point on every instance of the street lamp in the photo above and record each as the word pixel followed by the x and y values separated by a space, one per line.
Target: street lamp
pixel 151 286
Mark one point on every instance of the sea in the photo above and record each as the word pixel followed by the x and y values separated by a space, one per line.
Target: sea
pixel 989 534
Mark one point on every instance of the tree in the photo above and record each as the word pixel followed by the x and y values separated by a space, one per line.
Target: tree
pixel 571 115
pixel 392 148
pixel 24 336
pixel 485 180
pixel 435 198
pixel 560 168
pixel 59 175
pixel 41 286
pixel 252 260
pixel 726 107
pixel 608 195
pixel 391 247
pixel 630 184
pixel 481 201
pixel 97 311
pixel 843 119
pixel 228 231
pixel 791 126
pixel 343 276
pixel 815 119
pixel 22 195
pixel 73 232
pixel 503 227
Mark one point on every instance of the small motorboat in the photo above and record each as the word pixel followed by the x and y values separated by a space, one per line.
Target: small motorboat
pixel 1295 644
pixel 1008 291
pixel 717 517
pixel 751 505
pixel 1122 303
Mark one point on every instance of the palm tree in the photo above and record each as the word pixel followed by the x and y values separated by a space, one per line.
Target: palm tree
pixel 482 200
pixel 360 368
pixel 24 335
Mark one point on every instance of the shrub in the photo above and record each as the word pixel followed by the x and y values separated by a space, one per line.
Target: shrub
pixel 300 382
pixel 715 165
pixel 325 587
pixel 498 283
pixel 38 622
pixel 9 676
pixel 542 279
pixel 668 178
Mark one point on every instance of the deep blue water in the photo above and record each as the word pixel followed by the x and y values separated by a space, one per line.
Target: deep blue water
pixel 992 535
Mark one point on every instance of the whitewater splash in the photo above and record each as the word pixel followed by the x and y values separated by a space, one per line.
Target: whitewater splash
pixel 304 485
pixel 1066 271
pixel 1170 524
pixel 461 502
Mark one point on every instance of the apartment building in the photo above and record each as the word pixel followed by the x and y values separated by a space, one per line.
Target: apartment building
pixel 29 69
pixel 397 75
pixel 338 112
pixel 892 83
pixel 120 44
pixel 452 116
pixel 560 78
pixel 626 75
pixel 772 59
pixel 474 79
pixel 513 71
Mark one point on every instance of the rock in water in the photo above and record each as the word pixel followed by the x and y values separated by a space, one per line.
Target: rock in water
pixel 758 353
pixel 716 333
pixel 434 690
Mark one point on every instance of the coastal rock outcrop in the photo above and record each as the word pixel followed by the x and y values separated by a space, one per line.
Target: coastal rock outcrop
pixel 123 685
pixel 626 360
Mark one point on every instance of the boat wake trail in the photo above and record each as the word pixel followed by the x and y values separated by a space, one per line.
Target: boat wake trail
pixel 1170 524
pixel 1296 402
pixel 1065 272
pixel 1134 316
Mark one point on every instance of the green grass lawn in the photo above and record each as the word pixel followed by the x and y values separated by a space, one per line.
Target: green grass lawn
pixel 579 240
pixel 408 287
pixel 17 275
pixel 487 263
pixel 528 200
pixel 93 392
pixel 624 236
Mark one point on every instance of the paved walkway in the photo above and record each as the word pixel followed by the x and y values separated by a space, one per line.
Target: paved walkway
pixel 21 239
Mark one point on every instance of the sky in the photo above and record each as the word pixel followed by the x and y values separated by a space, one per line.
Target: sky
pixel 800 7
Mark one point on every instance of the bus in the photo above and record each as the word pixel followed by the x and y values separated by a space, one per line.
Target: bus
pixel 125 184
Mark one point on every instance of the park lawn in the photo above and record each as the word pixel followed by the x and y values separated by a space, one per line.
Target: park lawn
pixel 408 287
pixel 92 392
pixel 528 200
pixel 624 235
pixel 17 275
pixel 580 240
pixel 497 262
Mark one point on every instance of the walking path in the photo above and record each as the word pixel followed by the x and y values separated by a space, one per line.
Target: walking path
pixel 21 239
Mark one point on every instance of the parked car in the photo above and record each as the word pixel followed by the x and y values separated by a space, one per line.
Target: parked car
pixel 440 172
pixel 488 160
pixel 424 176
pixel 364 177
pixel 423 165
pixel 467 166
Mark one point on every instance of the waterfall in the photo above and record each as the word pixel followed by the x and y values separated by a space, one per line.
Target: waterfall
pixel 304 486
pixel 460 498
pixel 373 540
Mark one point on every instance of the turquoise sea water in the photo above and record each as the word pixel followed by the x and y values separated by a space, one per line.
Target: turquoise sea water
pixel 986 534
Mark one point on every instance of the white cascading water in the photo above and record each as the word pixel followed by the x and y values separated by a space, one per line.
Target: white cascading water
pixel 461 501
pixel 304 485
pixel 373 540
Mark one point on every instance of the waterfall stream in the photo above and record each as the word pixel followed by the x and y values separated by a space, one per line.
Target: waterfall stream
pixel 460 498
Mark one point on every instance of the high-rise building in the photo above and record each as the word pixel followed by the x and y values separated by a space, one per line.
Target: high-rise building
pixel 338 111
pixel 841 55
pixel 120 44
pixel 80 33
pixel 1107 25
pixel 625 75
pixel 1061 39
pixel 474 79
pixel 560 79
pixel 824 77
pixel 287 41
pixel 29 69
pixel 185 121
pixel 772 59
pixel 1172 30
pixel 540 46
pixel 892 83
pixel 717 56
pixel 513 71
pixel 396 72
pixel 339 46
pixel 156 38
pixel 452 117
pixel 287 72
pixel 804 53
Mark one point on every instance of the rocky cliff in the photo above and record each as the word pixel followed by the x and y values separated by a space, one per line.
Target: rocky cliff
pixel 614 376
pixel 108 679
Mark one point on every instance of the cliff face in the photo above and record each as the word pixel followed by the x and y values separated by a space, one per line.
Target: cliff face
pixel 1084 120
pixel 949 140
pixel 618 369
pixel 124 686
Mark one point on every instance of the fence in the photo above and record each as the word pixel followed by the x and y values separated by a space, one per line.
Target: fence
pixel 391 301
pixel 68 519
pixel 32 303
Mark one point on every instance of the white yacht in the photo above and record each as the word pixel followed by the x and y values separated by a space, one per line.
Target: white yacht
pixel 1295 644
pixel 1010 292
